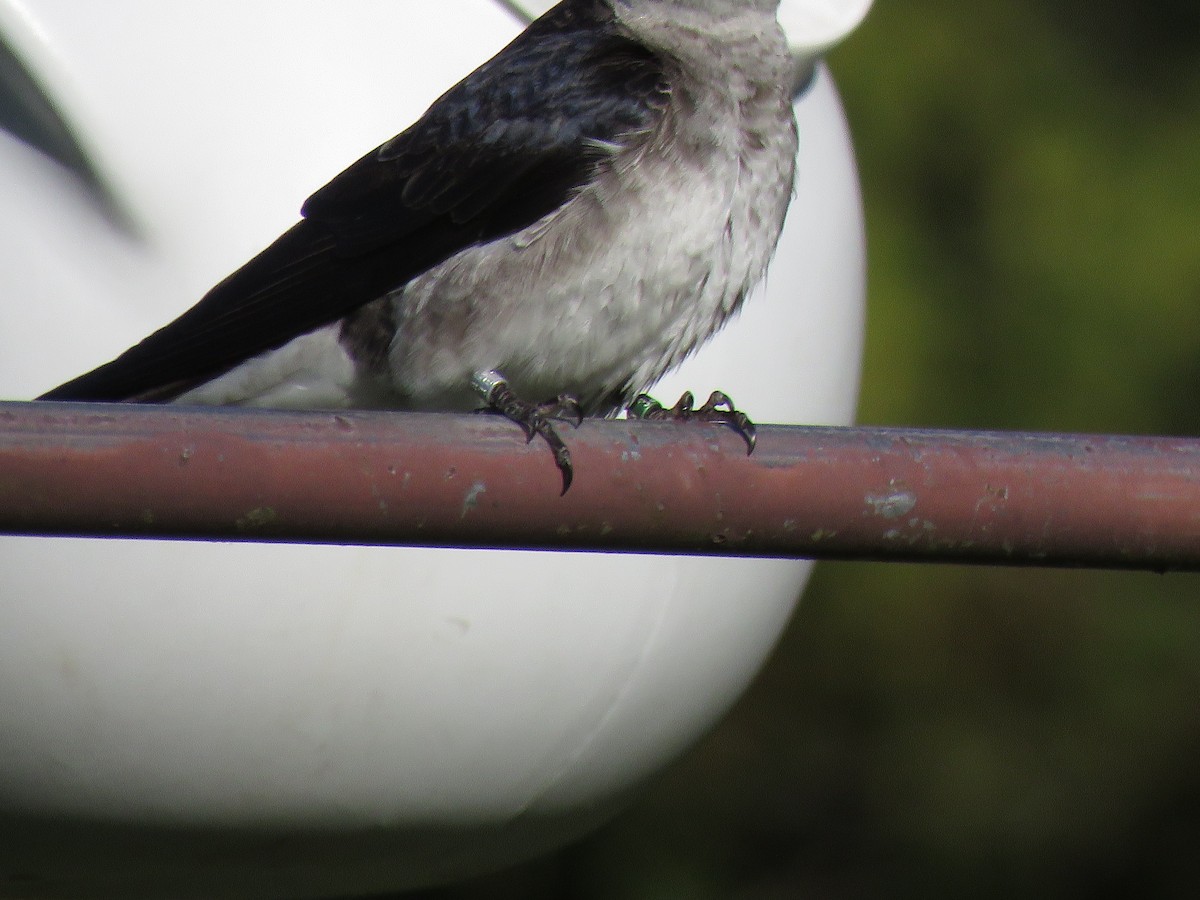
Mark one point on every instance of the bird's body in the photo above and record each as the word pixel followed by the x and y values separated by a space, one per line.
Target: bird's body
pixel 578 214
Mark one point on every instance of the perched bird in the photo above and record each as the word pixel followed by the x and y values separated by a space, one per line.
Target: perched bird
pixel 569 221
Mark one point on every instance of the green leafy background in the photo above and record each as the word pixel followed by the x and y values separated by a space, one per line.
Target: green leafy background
pixel 1031 170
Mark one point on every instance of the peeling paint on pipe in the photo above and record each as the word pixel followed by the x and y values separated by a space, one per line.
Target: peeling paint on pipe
pixel 356 477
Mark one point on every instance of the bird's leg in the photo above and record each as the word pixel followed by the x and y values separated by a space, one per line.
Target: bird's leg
pixel 718 410
pixel 534 418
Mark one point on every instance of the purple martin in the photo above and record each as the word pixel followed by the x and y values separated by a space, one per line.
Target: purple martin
pixel 569 221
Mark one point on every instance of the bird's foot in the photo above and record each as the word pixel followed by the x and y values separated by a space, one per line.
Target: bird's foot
pixel 534 418
pixel 718 410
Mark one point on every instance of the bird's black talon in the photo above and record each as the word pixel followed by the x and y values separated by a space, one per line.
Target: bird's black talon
pixel 574 409
pixel 562 459
pixel 563 408
pixel 746 429
pixel 533 418
pixel 685 407
pixel 717 410
pixel 539 424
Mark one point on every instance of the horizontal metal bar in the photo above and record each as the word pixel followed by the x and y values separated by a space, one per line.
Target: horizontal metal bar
pixel 472 481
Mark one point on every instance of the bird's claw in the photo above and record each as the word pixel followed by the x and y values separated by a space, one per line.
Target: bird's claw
pixel 533 418
pixel 718 410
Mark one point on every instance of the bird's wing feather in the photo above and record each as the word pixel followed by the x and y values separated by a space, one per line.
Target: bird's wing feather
pixel 506 146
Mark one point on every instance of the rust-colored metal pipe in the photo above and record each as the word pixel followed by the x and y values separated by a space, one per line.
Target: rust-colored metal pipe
pixel 472 481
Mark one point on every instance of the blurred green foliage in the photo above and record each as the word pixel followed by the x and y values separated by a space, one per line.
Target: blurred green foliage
pixel 1031 171
pixel 1033 194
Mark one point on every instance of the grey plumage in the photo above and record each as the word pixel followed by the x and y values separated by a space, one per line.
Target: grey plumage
pixel 579 214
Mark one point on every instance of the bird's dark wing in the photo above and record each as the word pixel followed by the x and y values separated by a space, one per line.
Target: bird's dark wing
pixel 504 147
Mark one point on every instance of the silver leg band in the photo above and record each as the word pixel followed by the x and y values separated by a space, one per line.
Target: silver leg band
pixel 484 383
